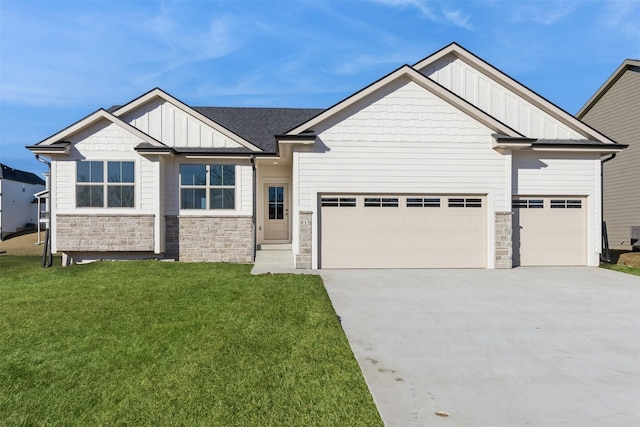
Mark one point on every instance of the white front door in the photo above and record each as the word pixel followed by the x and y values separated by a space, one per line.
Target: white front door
pixel 276 212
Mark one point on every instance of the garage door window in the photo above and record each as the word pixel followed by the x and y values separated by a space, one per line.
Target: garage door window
pixel 465 203
pixel 527 203
pixel 339 201
pixel 418 202
pixel 566 204
pixel 383 202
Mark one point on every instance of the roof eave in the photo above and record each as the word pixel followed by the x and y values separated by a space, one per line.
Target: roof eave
pixel 62 147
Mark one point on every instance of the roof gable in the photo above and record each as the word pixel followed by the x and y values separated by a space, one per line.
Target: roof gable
pixel 423 81
pixel 101 114
pixel 158 93
pixel 627 65
pixel 517 88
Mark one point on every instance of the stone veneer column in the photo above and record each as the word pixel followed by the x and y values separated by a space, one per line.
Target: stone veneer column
pixel 303 257
pixel 504 244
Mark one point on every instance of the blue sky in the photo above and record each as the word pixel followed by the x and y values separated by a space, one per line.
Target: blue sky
pixel 62 60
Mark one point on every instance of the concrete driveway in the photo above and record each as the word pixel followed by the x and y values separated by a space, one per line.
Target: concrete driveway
pixel 528 346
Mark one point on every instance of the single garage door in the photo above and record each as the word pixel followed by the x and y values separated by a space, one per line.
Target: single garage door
pixel 403 231
pixel 549 231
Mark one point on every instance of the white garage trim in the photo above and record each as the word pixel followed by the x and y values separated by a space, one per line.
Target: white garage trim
pixel 402 231
pixel 550 230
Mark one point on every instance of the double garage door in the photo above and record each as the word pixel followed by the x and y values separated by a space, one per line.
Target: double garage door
pixel 446 231
pixel 403 231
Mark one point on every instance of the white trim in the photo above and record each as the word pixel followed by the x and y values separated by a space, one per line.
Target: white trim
pixel 93 118
pixel 159 93
pixel 511 84
pixel 423 81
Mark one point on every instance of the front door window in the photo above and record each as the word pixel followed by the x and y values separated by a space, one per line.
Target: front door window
pixel 276 203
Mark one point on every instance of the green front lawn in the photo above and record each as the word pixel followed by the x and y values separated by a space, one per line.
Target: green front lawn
pixel 621 268
pixel 157 343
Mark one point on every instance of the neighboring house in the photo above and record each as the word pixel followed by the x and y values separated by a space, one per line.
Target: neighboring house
pixel 433 165
pixel 17 188
pixel 615 110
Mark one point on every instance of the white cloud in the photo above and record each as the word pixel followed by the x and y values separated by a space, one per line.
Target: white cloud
pixel 457 19
pixel 544 13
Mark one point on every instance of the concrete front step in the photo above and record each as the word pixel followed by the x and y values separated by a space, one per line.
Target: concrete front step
pixel 273 260
pixel 275 247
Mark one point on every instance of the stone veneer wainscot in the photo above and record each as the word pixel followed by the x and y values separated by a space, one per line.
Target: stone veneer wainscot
pixel 104 233
pixel 303 257
pixel 504 245
pixel 210 239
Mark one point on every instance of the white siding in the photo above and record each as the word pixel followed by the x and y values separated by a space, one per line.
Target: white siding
pixel 563 174
pixel 496 100
pixel 407 141
pixel 540 173
pixel 404 140
pixel 175 128
pixel 17 209
pixel 105 141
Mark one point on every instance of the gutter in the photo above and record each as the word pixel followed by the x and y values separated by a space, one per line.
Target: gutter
pixel 604 255
pixel 47 256
pixel 255 212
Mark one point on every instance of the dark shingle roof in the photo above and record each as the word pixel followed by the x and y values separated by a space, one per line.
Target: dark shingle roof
pixel 259 125
pixel 19 176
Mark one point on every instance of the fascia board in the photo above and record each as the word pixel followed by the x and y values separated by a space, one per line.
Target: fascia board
pixel 613 78
pixel 517 87
pixel 159 93
pixel 91 119
pixel 423 81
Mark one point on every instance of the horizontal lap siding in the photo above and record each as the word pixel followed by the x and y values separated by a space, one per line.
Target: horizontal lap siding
pixel 407 141
pixel 497 100
pixel 617 115
pixel 540 173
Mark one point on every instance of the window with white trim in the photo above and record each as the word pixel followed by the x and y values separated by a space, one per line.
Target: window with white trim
pixel 98 186
pixel 208 187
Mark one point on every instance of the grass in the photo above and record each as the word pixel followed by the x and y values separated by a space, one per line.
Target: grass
pixel 621 268
pixel 155 343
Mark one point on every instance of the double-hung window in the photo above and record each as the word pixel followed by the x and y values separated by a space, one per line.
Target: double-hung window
pixel 207 186
pixel 100 184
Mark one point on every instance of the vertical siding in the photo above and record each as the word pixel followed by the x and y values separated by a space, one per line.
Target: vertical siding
pixel 176 128
pixel 495 99
pixel 617 115
pixel 406 141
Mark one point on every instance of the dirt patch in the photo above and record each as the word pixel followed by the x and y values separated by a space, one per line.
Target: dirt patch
pixel 24 245
pixel 629 259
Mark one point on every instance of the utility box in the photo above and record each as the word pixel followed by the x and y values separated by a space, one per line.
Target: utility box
pixel 635 236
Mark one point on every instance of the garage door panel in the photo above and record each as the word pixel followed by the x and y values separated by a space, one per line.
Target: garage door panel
pixel 551 234
pixel 403 237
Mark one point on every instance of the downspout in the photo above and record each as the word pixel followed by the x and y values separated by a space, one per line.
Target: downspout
pixel 605 246
pixel 47 256
pixel 255 212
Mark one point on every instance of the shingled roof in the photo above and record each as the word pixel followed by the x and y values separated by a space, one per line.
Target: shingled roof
pixel 259 125
pixel 12 174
